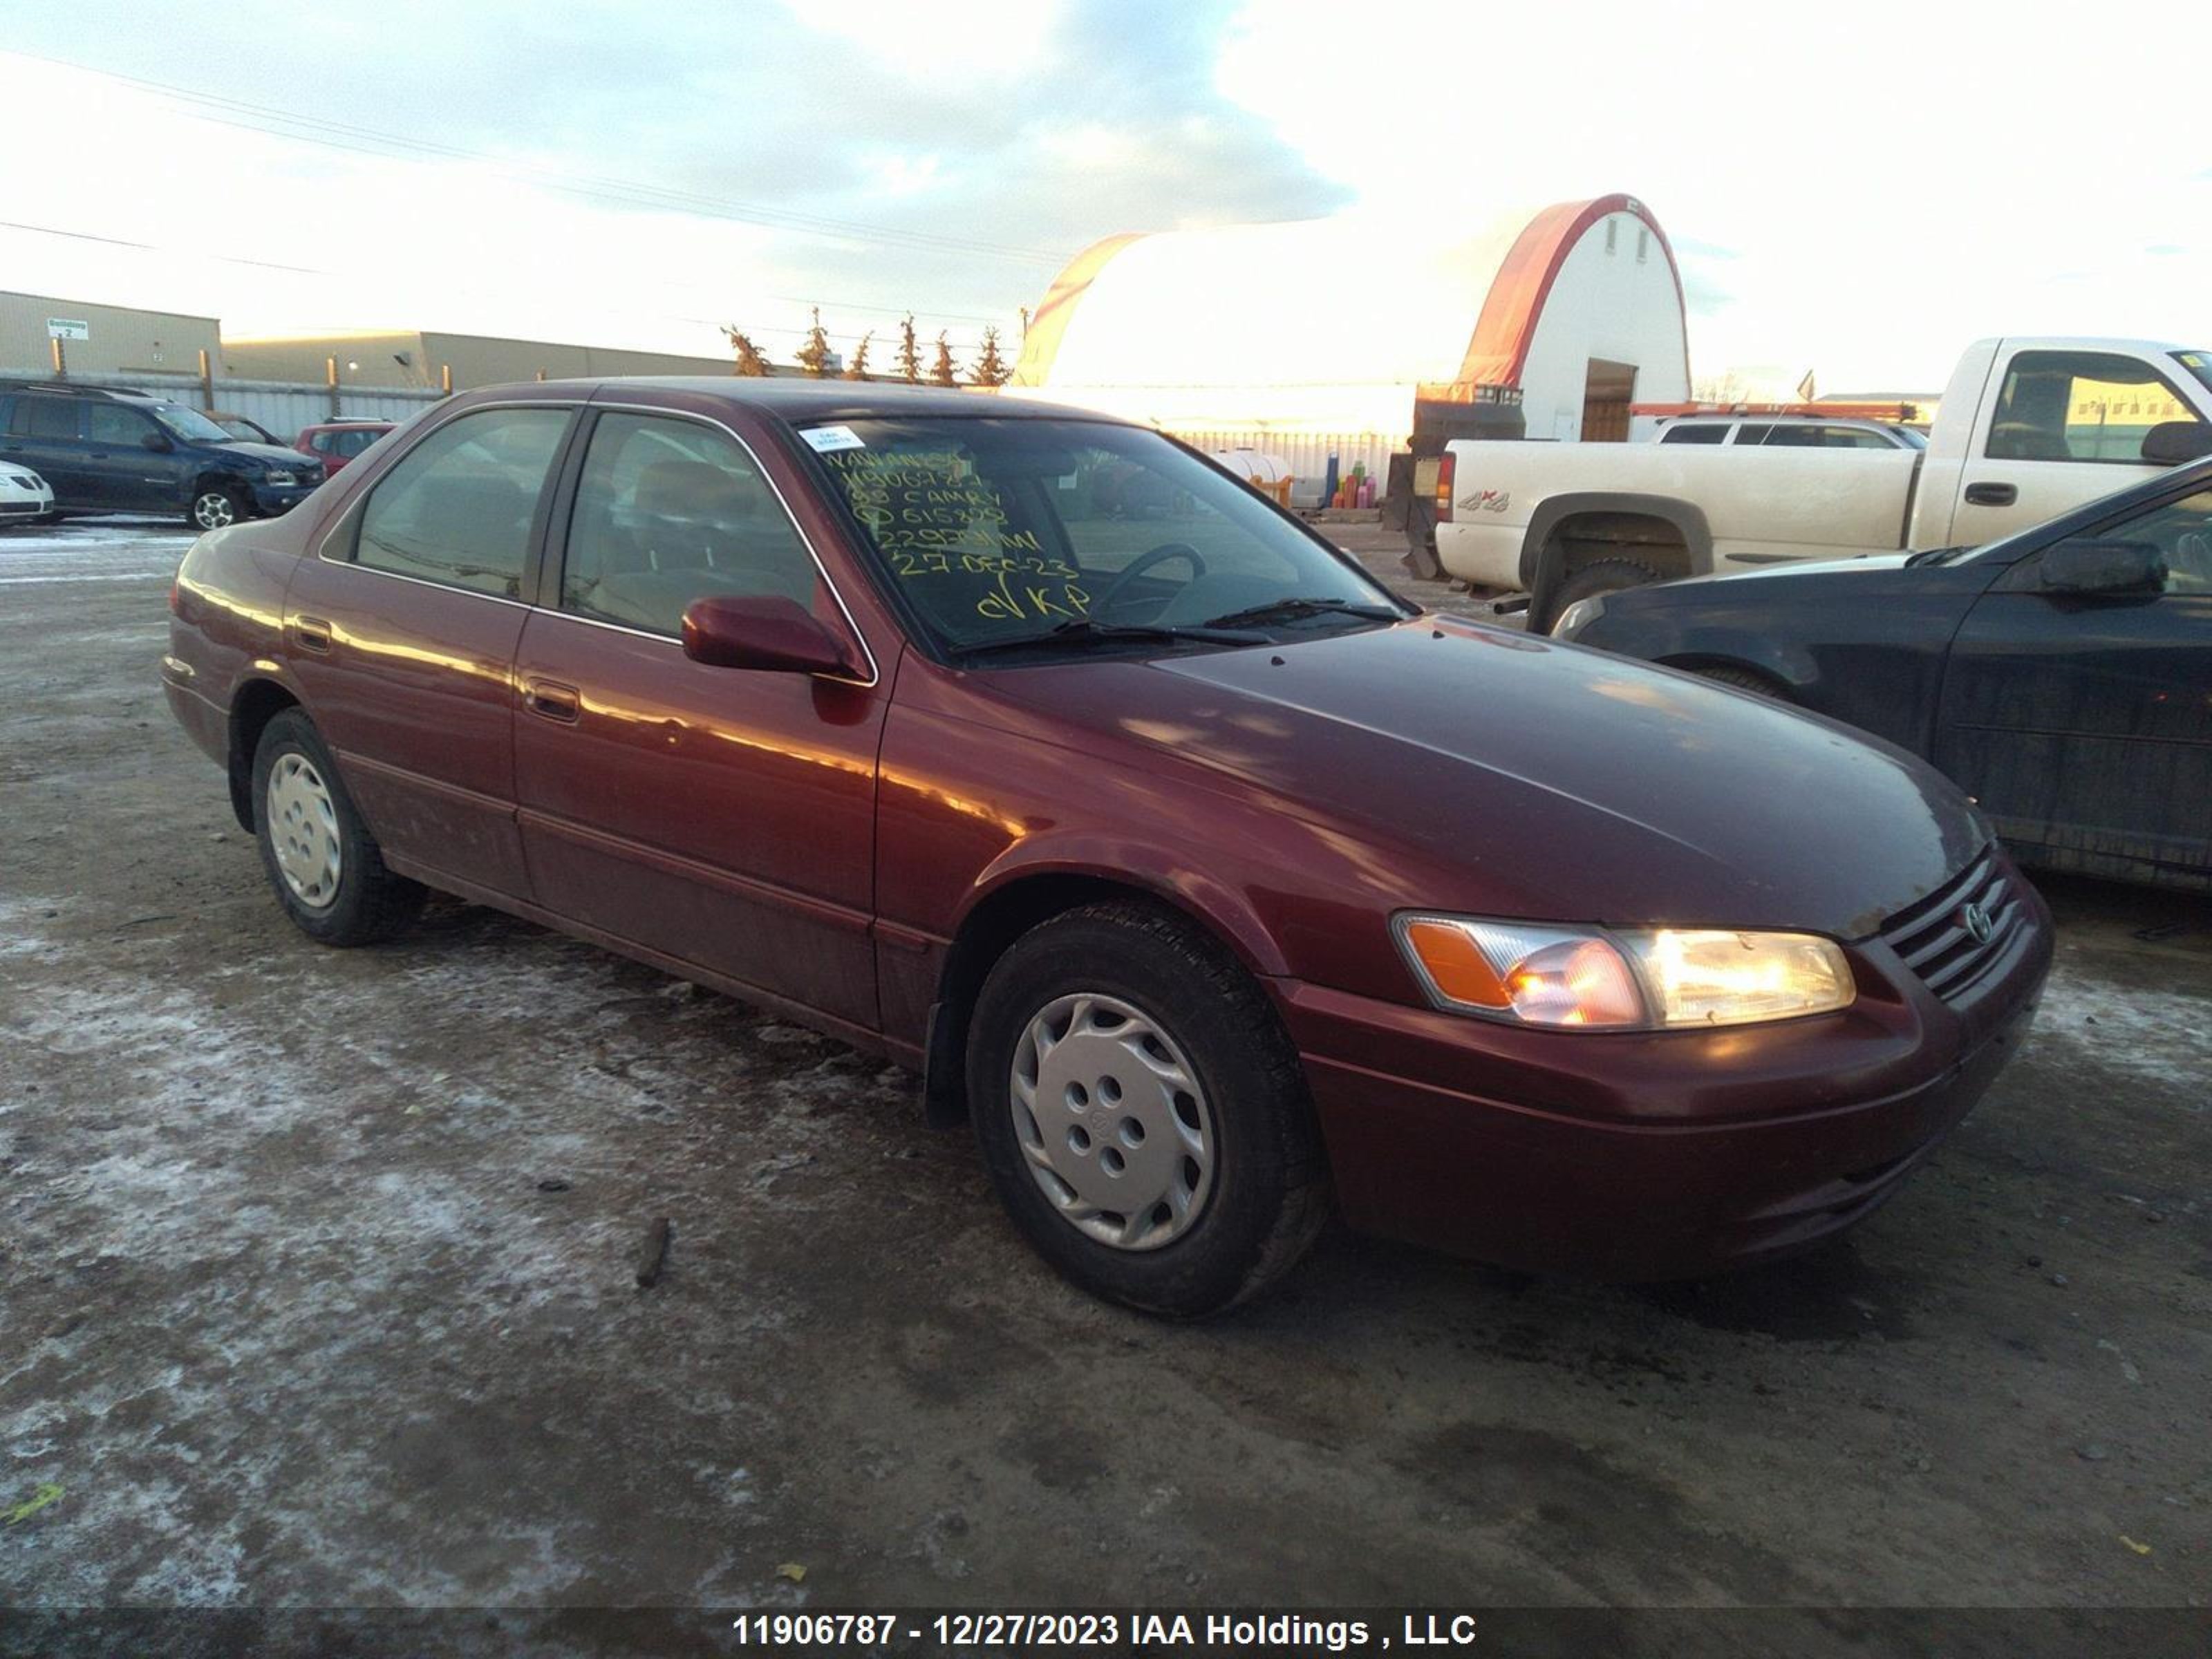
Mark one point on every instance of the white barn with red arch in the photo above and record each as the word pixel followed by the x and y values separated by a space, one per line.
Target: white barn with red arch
pixel 1291 336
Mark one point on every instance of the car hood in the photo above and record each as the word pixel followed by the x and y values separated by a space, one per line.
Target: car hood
pixel 1865 564
pixel 270 455
pixel 1490 771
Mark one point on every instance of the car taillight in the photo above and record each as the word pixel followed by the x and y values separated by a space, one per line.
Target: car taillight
pixel 176 608
pixel 1445 469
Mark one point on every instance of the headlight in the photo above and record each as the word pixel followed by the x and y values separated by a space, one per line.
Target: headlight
pixel 1578 616
pixel 1595 979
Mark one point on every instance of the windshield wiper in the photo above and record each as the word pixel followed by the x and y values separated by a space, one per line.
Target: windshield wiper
pixel 1082 629
pixel 1938 554
pixel 1296 609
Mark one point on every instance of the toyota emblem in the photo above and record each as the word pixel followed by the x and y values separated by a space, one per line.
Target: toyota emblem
pixel 1978 923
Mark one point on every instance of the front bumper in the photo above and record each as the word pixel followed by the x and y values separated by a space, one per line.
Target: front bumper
pixel 18 510
pixel 272 500
pixel 1659 1155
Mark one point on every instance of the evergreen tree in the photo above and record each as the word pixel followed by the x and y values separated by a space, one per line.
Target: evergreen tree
pixel 858 368
pixel 749 360
pixel 990 367
pixel 909 354
pixel 814 355
pixel 943 372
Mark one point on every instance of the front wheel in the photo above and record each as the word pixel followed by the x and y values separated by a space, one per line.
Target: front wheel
pixel 325 867
pixel 1145 1120
pixel 214 507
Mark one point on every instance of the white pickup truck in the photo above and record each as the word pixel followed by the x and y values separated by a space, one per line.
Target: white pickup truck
pixel 2027 428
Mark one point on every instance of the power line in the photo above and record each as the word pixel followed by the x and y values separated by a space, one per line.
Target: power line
pixel 318 129
pixel 717 325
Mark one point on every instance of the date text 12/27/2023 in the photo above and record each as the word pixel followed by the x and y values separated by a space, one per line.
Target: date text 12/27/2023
pixel 969 1630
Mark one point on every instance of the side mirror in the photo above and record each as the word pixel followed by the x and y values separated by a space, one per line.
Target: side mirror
pixel 2175 443
pixel 2112 569
pixel 774 636
pixel 157 441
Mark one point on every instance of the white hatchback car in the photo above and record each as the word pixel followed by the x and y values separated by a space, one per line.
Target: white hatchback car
pixel 24 496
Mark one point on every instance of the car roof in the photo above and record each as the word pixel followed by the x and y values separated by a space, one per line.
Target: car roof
pixel 801 400
pixel 1778 420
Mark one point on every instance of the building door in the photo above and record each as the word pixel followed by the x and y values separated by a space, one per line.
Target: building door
pixel 1607 390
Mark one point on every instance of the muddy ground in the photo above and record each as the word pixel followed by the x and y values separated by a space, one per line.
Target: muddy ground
pixel 316 1289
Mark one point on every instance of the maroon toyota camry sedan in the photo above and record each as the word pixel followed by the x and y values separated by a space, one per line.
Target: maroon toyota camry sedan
pixel 1216 886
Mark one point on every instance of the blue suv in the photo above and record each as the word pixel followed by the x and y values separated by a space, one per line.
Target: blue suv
pixel 126 451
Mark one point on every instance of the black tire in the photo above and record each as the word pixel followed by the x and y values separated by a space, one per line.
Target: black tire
pixel 369 903
pixel 1606 576
pixel 215 506
pixel 1744 679
pixel 1268 1194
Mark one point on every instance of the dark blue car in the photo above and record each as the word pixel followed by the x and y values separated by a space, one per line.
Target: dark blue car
pixel 2063 677
pixel 124 451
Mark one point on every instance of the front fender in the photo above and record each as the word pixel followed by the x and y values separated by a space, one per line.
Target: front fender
pixel 1147 865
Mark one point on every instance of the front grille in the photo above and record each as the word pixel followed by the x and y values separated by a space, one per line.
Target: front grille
pixel 1934 938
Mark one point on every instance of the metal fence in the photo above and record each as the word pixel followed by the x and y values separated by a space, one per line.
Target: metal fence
pixel 1306 454
pixel 283 406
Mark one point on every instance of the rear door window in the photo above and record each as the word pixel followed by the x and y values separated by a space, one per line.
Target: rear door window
pixel 457 510
pixel 43 417
pixel 1812 436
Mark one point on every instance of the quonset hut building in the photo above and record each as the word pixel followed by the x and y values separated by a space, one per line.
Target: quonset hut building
pixel 1326 336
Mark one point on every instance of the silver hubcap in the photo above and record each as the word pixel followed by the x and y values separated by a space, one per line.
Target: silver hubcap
pixel 1113 1122
pixel 303 829
pixel 213 510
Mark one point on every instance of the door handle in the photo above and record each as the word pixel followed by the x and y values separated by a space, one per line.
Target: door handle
pixel 553 700
pixel 311 633
pixel 1991 495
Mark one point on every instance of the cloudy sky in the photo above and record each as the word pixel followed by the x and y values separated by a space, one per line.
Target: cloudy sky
pixel 1859 191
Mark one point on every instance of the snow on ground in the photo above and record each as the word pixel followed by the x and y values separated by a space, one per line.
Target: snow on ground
pixel 91 551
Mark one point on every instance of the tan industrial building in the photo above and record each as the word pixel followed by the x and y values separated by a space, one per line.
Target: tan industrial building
pixel 100 341
pixel 422 359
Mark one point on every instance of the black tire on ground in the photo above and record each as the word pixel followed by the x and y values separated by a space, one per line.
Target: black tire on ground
pixel 370 904
pixel 1269 1185
pixel 1606 576
pixel 213 507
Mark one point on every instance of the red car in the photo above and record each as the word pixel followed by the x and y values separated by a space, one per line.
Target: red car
pixel 335 443
pixel 1214 885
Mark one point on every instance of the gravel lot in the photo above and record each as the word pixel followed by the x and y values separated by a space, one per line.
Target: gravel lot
pixel 316 1288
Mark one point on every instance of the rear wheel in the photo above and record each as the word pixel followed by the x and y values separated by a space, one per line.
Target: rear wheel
pixel 323 864
pixel 1606 576
pixel 1143 1117
pixel 215 506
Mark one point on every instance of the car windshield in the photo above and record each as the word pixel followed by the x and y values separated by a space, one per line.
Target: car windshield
pixel 1910 437
pixel 190 424
pixel 997 531
pixel 2198 363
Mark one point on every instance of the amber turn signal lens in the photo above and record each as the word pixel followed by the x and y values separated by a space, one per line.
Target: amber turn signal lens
pixel 1457 966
